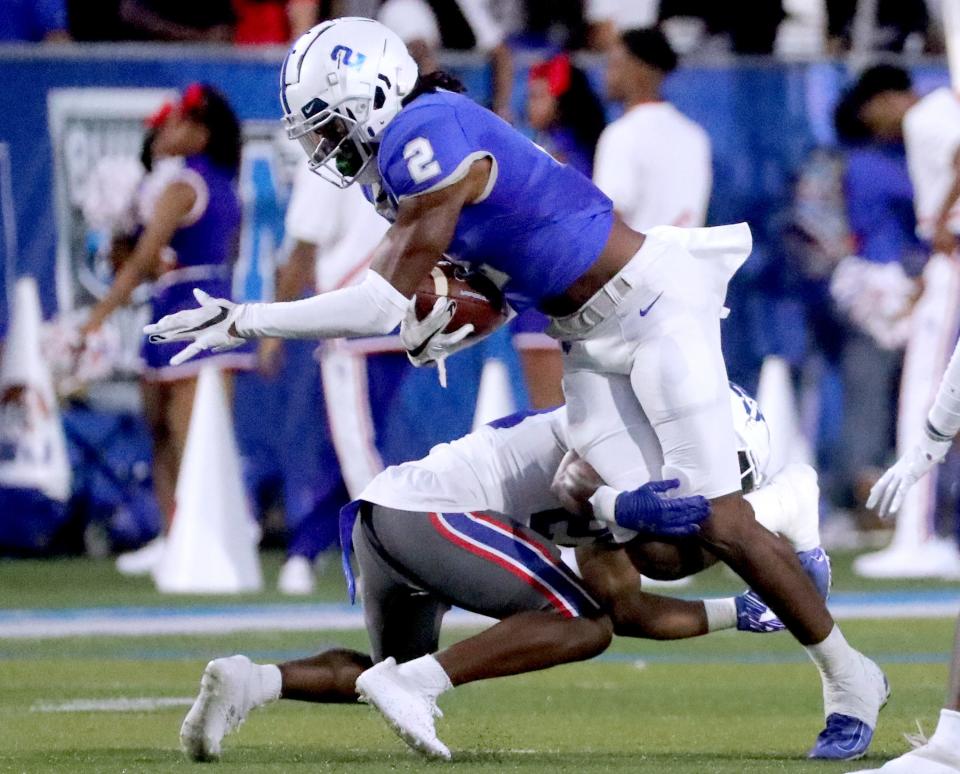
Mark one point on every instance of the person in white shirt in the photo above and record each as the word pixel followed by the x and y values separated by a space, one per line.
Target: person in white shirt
pixel 653 162
pixel 426 26
pixel 332 233
pixel 940 754
pixel 885 101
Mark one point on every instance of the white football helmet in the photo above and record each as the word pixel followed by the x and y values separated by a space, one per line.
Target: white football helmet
pixel 341 84
pixel 753 438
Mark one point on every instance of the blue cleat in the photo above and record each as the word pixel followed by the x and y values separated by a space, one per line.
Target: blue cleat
pixel 816 564
pixel 754 616
pixel 844 739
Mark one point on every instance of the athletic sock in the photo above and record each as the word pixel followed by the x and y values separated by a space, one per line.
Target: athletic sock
pixel 266 685
pixel 721 613
pixel 948 731
pixel 846 688
pixel 428 674
pixel 834 657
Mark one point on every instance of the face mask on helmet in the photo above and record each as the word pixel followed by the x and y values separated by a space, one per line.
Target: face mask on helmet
pixel 332 138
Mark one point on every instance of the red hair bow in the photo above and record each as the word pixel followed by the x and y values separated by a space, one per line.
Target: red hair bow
pixel 556 72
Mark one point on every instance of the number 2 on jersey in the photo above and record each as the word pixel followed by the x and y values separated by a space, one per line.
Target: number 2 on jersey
pixel 420 161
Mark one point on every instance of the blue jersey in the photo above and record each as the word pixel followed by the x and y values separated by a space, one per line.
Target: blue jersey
pixel 541 223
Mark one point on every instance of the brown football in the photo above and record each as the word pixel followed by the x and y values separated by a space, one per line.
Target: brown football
pixel 479 300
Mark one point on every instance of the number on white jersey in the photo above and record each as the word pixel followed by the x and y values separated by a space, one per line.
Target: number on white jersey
pixel 420 161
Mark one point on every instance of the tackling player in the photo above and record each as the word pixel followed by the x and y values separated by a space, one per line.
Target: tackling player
pixel 434 532
pixel 638 315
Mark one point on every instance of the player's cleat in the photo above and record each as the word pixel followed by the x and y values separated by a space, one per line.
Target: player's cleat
pixel 931 758
pixel 816 564
pixel 848 734
pixel 753 615
pixel 223 703
pixel 296 577
pixel 934 558
pixel 843 739
pixel 408 708
pixel 144 559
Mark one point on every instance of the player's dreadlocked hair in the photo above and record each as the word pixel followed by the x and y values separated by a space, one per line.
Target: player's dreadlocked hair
pixel 430 82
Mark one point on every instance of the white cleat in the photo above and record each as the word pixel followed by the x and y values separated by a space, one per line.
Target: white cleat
pixel 296 577
pixel 935 558
pixel 931 758
pixel 222 705
pixel 143 560
pixel 408 708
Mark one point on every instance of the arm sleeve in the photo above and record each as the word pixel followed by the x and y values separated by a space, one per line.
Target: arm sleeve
pixel 428 151
pixel 943 421
pixel 372 308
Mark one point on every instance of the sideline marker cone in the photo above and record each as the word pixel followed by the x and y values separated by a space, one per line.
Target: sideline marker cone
pixel 776 397
pixel 212 544
pixel 33 448
pixel 495 395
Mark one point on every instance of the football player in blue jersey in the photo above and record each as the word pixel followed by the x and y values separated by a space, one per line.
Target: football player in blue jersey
pixel 638 315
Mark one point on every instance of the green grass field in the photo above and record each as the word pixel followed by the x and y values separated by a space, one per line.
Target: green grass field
pixel 726 703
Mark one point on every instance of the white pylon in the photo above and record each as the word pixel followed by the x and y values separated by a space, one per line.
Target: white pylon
pixel 775 395
pixel 33 448
pixel 212 544
pixel 495 394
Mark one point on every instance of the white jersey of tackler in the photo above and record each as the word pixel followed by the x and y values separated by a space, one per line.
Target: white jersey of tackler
pixel 504 470
pixel 341 222
pixel 508 468
pixel 931 132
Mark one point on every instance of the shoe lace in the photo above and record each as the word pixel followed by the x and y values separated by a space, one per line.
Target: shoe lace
pixel 918 739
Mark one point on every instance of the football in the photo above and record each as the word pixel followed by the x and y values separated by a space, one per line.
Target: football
pixel 478 299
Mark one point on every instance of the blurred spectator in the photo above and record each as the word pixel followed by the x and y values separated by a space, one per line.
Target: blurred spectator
pixel 883 104
pixel 33 21
pixel 457 25
pixel 97 20
pixel 870 290
pixel 260 22
pixel 896 21
pixel 653 162
pixel 564 112
pixel 568 118
pixel 191 223
pixel 179 20
pixel 558 24
pixel 751 28
pixel 608 18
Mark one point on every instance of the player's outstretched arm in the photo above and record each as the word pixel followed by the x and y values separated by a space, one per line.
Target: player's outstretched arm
pixel 415 242
pixel 943 424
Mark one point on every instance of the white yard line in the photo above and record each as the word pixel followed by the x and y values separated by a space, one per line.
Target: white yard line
pixel 226 619
pixel 122 704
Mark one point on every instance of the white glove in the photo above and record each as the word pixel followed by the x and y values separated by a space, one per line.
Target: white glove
pixel 888 493
pixel 207 327
pixel 424 339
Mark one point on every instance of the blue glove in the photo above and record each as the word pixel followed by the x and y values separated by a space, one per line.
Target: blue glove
pixel 645 510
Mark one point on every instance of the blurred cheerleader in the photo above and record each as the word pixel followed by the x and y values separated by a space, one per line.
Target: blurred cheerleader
pixel 565 112
pixel 191 225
